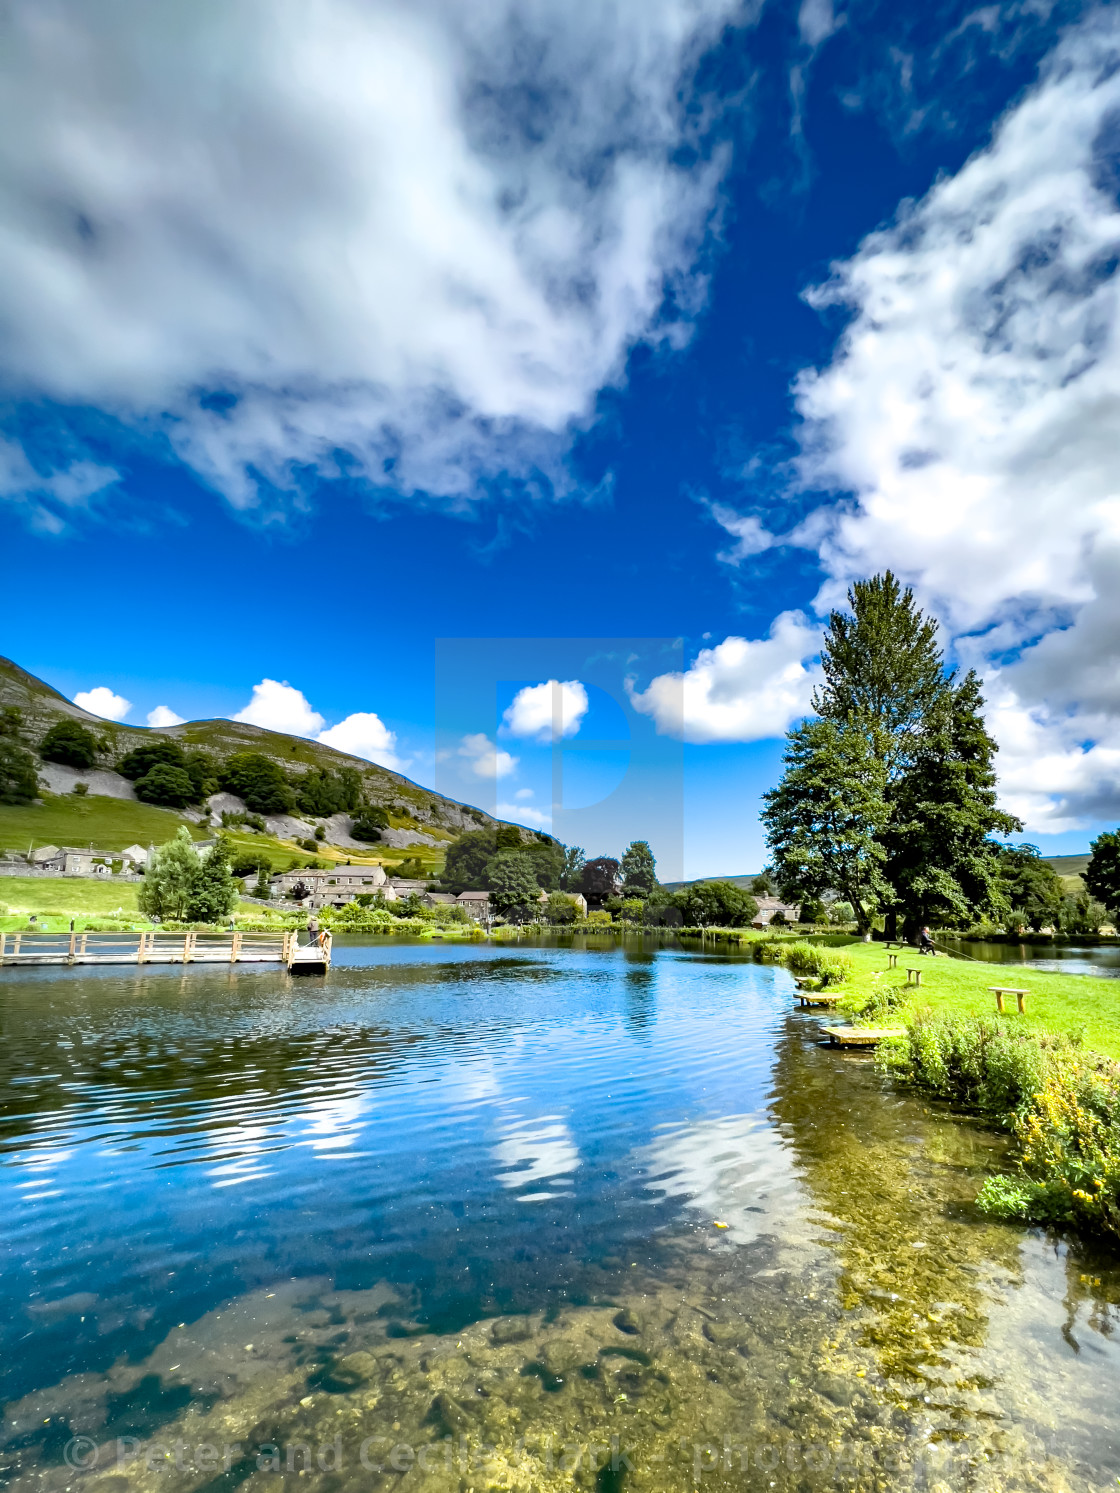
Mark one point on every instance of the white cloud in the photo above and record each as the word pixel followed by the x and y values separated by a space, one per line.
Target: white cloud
pixel 750 537
pixel 67 488
pixel 524 793
pixel 973 409
pixel 364 734
pixel 741 690
pixel 422 236
pixel 103 702
pixel 546 712
pixel 522 814
pixel 163 715
pixel 484 758
pixel 280 707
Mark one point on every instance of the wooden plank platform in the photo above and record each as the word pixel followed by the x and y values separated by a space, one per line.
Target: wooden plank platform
pixel 817 998
pixel 150 947
pixel 310 959
pixel 861 1036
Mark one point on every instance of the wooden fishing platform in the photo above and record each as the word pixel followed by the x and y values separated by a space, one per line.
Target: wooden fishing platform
pixel 310 959
pixel 155 947
pixel 861 1036
pixel 817 998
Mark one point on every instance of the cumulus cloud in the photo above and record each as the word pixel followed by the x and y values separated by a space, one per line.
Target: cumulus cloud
pixel 740 690
pixel 485 759
pixel 972 410
pixel 364 734
pixel 163 715
pixel 524 793
pixel 279 706
pixel 546 712
pixel 411 242
pixel 103 702
pixel 521 813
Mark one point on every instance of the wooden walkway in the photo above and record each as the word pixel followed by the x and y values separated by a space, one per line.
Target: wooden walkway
pixel 155 947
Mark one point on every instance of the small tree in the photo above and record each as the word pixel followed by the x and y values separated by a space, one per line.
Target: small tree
pixel 1102 876
pixel 464 869
pixel 159 751
pixel 19 782
pixel 639 870
pixel 263 888
pixel 512 882
pixel 561 908
pixel 169 879
pixel 259 781
pixel 216 891
pixel 571 875
pixel 70 743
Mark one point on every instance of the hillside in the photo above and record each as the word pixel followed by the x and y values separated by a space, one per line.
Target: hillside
pixel 111 816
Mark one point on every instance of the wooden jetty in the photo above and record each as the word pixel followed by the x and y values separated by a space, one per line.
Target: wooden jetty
pixel 861 1036
pixel 818 998
pixel 151 947
pixel 310 959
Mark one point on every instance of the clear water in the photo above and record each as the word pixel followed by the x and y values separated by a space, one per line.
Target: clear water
pixel 450 1219
pixel 1061 959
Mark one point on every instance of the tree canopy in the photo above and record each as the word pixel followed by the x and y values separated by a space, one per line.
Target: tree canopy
pixel 19 782
pixel 600 880
pixel 716 904
pixel 888 798
pixel 180 887
pixel 259 781
pixel 70 743
pixel 1102 876
pixel 166 785
pixel 638 870
pixel 512 882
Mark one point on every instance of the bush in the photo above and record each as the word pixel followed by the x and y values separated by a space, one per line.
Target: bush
pixel 825 965
pixel 19 782
pixel 562 909
pixel 80 790
pixel 717 904
pixel 69 743
pixel 232 818
pixel 365 828
pixel 167 786
pixel 1061 1103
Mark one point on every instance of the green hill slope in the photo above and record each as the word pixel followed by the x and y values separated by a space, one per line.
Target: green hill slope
pixel 112 823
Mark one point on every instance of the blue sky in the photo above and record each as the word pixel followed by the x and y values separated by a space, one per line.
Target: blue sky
pixel 332 332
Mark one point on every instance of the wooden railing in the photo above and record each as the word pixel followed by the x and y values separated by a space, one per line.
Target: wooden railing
pixel 150 947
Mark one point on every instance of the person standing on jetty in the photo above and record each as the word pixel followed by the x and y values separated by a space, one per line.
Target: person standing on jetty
pixel 313 930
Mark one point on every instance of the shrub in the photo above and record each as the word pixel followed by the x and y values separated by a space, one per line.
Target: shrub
pixel 320 832
pixel 19 782
pixel 365 828
pixel 259 781
pixel 80 790
pixel 826 965
pixel 562 909
pixel 719 904
pixel 231 818
pixel 69 743
pixel 140 761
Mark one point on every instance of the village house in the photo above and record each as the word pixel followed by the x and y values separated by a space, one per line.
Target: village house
pixel 477 904
pixel 769 907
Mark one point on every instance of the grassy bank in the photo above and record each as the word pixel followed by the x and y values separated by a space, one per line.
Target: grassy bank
pixel 1083 1006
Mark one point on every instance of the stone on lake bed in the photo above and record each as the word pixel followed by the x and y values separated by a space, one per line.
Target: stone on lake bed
pixel 510 1330
pixel 352 1371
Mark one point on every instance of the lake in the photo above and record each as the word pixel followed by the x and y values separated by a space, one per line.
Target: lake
pixel 589 1214
pixel 1059 958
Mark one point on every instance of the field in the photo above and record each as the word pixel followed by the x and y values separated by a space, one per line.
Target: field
pixel 1083 1004
pixel 73 896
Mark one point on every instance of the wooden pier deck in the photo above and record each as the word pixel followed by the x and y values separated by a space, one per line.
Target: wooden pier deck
pixel 860 1036
pixel 154 947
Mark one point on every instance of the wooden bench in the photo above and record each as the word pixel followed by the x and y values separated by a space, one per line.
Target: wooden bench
pixel 860 1036
pixel 999 991
pixel 892 961
pixel 817 998
pixel 913 976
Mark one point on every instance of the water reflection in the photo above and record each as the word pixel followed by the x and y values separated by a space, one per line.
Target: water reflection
pixel 555 1195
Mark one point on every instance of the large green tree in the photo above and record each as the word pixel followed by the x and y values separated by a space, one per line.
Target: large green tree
pixel 1102 875
pixel 826 818
pixel 638 870
pixel 166 785
pixel 513 882
pixel 464 867
pixel 1030 886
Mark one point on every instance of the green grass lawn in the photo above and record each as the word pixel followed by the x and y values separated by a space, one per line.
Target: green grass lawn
pixel 1083 1004
pixel 65 819
pixel 72 895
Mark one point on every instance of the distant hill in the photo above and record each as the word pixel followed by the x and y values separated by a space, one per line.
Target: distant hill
pixel 743 881
pixel 406 802
pixel 1069 865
